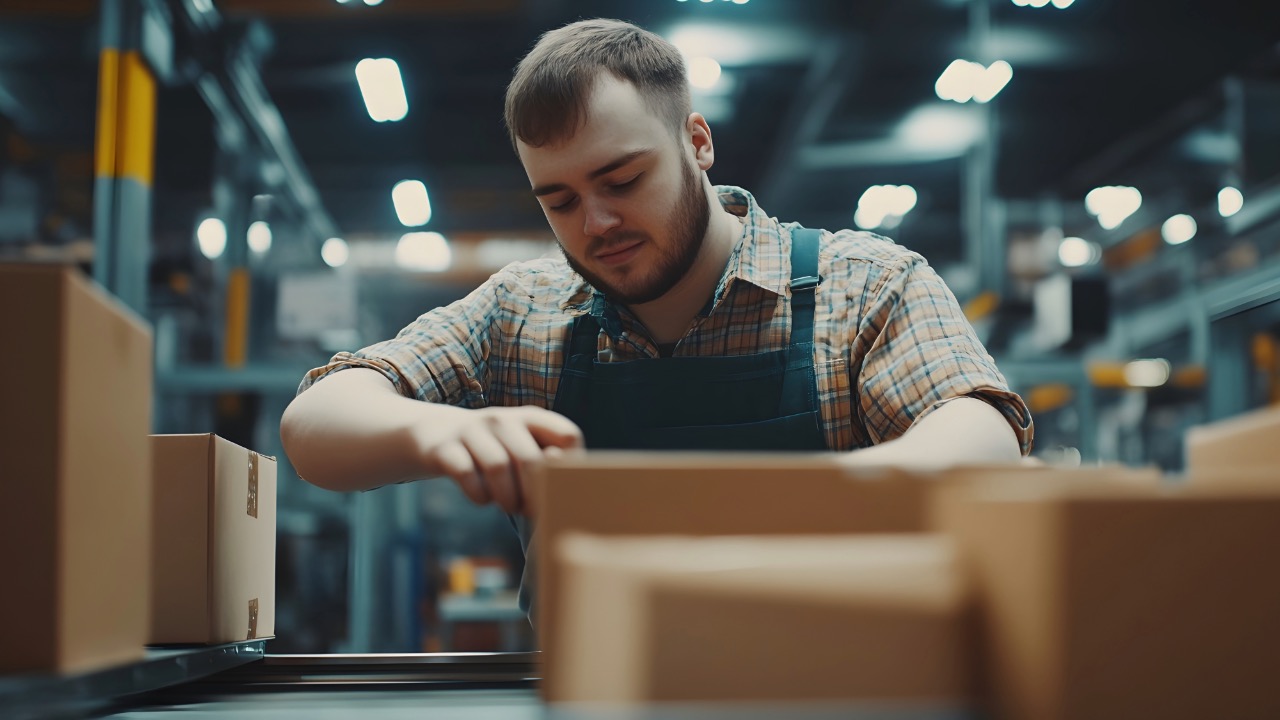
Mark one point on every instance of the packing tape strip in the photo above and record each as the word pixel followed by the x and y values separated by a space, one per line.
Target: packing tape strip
pixel 253 619
pixel 252 503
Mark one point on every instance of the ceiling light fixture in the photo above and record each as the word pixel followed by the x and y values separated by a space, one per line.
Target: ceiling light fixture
pixel 1178 229
pixel 1230 201
pixel 259 236
pixel 382 89
pixel 964 80
pixel 424 251
pixel 211 236
pixel 335 252
pixel 413 205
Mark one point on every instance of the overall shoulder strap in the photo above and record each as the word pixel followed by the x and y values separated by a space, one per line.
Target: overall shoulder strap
pixel 804 280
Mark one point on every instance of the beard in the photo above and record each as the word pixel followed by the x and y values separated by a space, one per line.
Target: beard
pixel 686 231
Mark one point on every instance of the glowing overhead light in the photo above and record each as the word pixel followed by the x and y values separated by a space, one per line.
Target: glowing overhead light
pixel 704 72
pixel 1077 252
pixel 335 252
pixel 259 236
pixel 382 88
pixel 884 206
pixel 1230 201
pixel 413 207
pixel 1063 4
pixel 371 3
pixel 707 1
pixel 956 82
pixel 741 2
pixel 211 236
pixel 964 80
pixel 1147 373
pixel 1178 229
pixel 1038 3
pixel 424 251
pixel 992 81
pixel 1112 204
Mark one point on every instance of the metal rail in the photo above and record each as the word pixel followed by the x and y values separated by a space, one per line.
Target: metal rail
pixel 30 697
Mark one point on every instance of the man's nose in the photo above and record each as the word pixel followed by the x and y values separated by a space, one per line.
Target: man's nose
pixel 600 218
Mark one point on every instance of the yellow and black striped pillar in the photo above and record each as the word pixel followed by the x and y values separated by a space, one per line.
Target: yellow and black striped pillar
pixel 124 156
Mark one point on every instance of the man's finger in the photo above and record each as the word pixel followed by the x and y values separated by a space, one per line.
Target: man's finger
pixel 494 463
pixel 524 452
pixel 456 462
pixel 553 429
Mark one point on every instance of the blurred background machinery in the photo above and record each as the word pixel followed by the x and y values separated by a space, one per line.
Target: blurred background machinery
pixel 271 181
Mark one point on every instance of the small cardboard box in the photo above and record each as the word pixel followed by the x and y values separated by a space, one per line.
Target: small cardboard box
pixel 867 619
pixel 629 493
pixel 75 473
pixel 214 558
pixel 1247 441
pixel 1106 602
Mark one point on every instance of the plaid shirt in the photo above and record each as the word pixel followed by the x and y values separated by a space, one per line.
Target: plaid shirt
pixel 891 344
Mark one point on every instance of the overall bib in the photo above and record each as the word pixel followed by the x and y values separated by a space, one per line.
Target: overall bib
pixel 765 401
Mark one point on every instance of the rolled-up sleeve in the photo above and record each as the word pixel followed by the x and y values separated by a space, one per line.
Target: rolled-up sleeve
pixel 440 357
pixel 921 353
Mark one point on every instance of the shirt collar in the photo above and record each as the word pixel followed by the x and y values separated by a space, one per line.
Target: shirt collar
pixel 757 258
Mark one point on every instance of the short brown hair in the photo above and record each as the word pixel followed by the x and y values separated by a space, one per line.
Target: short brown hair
pixel 547 98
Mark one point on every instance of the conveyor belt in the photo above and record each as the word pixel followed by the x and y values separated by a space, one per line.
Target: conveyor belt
pixel 186 685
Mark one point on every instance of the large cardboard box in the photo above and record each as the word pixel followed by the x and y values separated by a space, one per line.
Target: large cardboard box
pixel 1247 441
pixel 75 473
pixel 630 493
pixel 214 559
pixel 1106 602
pixel 874 620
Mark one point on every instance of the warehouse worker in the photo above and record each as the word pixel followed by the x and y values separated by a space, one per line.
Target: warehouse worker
pixel 681 315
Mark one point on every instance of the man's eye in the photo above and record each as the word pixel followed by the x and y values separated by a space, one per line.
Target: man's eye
pixel 562 206
pixel 625 185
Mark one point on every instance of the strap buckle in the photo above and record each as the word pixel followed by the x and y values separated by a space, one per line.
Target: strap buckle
pixel 808 282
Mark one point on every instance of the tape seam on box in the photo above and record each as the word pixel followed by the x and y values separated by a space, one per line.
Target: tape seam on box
pixel 253 619
pixel 252 502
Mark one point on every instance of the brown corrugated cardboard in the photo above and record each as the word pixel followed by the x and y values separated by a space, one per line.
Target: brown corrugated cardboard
pixel 75 481
pixel 1105 603
pixel 880 619
pixel 621 493
pixel 214 557
pixel 1245 441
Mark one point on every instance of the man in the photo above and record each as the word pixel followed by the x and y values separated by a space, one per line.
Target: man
pixel 681 315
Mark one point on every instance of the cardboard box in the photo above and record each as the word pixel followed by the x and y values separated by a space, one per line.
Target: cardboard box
pixel 75 473
pixel 1105 603
pixel 214 559
pixel 1245 441
pixel 626 493
pixel 869 619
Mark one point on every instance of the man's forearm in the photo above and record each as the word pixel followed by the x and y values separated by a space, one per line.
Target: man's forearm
pixel 965 431
pixel 353 431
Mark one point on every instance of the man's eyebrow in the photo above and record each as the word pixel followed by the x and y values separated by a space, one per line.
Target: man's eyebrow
pixel 602 170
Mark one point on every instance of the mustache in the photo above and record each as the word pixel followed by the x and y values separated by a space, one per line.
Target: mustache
pixel 614 241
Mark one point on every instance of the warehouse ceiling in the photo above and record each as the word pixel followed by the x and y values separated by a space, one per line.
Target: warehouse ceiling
pixel 823 97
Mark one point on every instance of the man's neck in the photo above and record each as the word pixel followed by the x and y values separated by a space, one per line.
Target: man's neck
pixel 668 318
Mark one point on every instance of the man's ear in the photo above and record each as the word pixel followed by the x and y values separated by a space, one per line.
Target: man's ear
pixel 704 153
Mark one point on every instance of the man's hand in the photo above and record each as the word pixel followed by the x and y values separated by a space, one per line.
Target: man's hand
pixel 490 452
